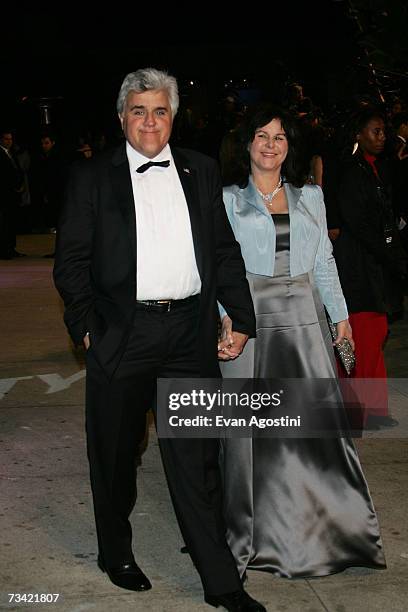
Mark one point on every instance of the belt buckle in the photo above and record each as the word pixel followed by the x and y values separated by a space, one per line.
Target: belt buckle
pixel 168 302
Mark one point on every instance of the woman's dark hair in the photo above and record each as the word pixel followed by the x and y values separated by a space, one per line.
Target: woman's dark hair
pixel 357 122
pixel 398 119
pixel 237 169
pixel 360 119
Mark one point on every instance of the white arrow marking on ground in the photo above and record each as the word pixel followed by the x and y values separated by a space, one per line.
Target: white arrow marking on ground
pixel 56 383
pixel 8 383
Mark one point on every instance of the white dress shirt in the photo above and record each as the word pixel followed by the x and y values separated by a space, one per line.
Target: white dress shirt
pixel 166 264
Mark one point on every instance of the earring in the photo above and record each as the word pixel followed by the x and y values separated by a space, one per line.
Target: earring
pixel 355 147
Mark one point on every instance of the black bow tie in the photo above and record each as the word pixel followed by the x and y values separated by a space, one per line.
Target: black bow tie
pixel 144 167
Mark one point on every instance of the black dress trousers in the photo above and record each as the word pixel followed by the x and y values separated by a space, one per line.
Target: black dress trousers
pixel 161 345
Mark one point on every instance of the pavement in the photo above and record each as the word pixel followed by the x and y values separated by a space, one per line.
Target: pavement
pixel 47 537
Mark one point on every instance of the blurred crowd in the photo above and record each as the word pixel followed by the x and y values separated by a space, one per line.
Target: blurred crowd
pixel 32 174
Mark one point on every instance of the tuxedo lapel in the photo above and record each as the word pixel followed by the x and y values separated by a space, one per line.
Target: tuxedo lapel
pixel 122 188
pixel 188 179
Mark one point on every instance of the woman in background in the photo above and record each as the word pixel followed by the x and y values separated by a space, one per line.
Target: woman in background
pixel 369 239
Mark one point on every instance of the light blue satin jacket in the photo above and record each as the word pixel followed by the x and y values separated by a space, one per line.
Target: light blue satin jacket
pixel 310 246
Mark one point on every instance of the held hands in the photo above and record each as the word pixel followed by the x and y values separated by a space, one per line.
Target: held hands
pixel 231 343
pixel 344 331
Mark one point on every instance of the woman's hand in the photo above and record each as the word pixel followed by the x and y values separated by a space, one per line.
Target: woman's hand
pixel 344 331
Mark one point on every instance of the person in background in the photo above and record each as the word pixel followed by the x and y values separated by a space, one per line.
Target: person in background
pixel 48 173
pixel 400 185
pixel 369 258
pixel 11 185
pixel 314 142
pixel 23 157
pixel 83 149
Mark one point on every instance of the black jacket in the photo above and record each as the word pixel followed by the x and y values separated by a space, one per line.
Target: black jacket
pixel 95 264
pixel 363 256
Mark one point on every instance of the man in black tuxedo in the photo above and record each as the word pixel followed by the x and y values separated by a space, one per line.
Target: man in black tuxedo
pixel 144 250
pixel 11 182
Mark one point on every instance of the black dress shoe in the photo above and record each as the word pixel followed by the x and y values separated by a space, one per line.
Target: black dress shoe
pixel 15 254
pixel 238 601
pixel 127 576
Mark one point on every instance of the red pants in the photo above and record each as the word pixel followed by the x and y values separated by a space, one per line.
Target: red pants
pixel 367 384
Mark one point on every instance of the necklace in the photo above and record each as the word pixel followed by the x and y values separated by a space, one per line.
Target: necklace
pixel 267 197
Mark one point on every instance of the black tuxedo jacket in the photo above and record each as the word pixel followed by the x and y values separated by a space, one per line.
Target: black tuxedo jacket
pixel 11 179
pixel 95 264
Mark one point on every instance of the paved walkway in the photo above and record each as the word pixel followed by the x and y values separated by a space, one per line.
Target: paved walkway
pixel 47 536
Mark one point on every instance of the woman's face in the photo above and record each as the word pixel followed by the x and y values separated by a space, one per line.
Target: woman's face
pixel 269 147
pixel 371 139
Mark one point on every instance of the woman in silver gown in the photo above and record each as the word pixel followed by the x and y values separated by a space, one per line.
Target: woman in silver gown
pixel 297 507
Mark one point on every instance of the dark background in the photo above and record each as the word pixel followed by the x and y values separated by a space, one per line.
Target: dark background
pixel 79 54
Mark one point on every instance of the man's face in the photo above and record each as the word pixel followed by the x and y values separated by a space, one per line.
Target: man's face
pixel 47 144
pixel 6 141
pixel 147 121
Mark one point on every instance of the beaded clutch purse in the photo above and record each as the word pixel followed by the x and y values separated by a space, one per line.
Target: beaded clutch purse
pixel 343 349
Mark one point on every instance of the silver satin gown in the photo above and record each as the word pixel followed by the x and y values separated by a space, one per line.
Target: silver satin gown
pixel 294 507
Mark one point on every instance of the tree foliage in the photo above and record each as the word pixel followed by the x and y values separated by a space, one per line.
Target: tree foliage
pixel 383 32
